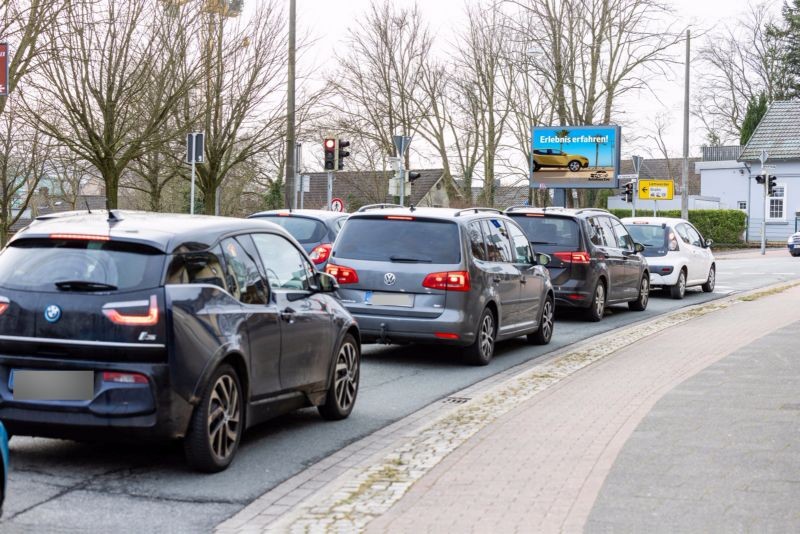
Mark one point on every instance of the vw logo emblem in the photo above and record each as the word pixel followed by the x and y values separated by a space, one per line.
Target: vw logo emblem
pixel 52 313
pixel 389 279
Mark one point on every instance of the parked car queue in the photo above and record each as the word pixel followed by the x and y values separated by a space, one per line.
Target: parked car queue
pixel 161 326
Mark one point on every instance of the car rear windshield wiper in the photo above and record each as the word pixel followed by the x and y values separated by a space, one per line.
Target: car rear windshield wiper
pixel 409 260
pixel 84 285
pixel 543 243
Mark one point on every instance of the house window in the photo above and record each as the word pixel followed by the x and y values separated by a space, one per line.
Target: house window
pixel 743 205
pixel 776 203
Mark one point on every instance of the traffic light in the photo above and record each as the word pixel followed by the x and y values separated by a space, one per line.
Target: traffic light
pixel 413 176
pixel 331 149
pixel 760 179
pixel 342 153
pixel 627 192
pixel 771 184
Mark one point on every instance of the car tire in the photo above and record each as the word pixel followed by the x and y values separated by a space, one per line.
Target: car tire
pixel 574 165
pixel 678 290
pixel 536 167
pixel 708 287
pixel 482 350
pixel 220 413
pixel 598 306
pixel 795 253
pixel 345 377
pixel 544 334
pixel 640 304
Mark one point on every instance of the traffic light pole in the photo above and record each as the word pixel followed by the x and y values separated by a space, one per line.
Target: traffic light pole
pixel 330 190
pixel 763 158
pixel 634 194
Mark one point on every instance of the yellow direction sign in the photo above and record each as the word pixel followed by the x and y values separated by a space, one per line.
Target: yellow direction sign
pixel 655 189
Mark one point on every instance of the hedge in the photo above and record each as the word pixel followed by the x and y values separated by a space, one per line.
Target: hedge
pixel 723 226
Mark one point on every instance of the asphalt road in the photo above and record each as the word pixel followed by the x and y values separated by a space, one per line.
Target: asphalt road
pixel 66 486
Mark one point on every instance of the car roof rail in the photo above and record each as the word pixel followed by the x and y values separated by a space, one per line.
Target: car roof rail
pixel 377 207
pixel 517 207
pixel 592 209
pixel 477 210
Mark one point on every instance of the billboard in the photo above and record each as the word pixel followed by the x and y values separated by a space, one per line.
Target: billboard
pixel 4 69
pixel 575 156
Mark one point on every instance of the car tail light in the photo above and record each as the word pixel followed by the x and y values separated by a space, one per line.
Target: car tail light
pixel 573 257
pixel 446 335
pixel 321 253
pixel 83 237
pixel 399 218
pixel 534 215
pixel 448 281
pixel 343 275
pixel 124 378
pixel 673 243
pixel 119 312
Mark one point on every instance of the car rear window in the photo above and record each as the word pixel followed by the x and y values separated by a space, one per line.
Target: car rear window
pixel 303 229
pixel 551 231
pixel 653 237
pixel 382 239
pixel 37 264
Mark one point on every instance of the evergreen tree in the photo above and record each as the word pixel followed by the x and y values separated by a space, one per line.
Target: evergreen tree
pixel 788 40
pixel 756 108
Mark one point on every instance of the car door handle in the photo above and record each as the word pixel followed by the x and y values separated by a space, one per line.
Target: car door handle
pixel 288 315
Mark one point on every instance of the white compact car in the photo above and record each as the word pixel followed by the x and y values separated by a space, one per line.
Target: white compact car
pixel 677 255
pixel 794 244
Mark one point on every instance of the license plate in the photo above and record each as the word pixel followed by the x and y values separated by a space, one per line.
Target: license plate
pixel 389 299
pixel 37 385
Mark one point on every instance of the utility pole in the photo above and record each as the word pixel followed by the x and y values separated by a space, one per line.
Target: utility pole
pixel 290 116
pixel 685 173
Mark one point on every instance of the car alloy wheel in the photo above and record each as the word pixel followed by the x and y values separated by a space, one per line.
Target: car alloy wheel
pixel 343 390
pixel 224 414
pixel 708 287
pixel 679 289
pixel 487 336
pixel 640 304
pixel 346 376
pixel 545 332
pixel 482 349
pixel 574 166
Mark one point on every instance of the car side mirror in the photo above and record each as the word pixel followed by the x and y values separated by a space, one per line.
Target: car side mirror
pixel 542 259
pixel 709 243
pixel 327 283
pixel 638 247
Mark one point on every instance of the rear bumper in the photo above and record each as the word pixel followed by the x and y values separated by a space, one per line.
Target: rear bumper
pixel 664 274
pixel 149 411
pixel 438 330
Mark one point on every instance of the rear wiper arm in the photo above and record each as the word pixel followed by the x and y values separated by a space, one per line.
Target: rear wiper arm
pixel 84 285
pixel 543 243
pixel 409 260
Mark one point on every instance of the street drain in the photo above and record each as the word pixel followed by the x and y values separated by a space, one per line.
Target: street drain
pixel 456 400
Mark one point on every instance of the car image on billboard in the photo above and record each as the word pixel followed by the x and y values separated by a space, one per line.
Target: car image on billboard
pixel 575 156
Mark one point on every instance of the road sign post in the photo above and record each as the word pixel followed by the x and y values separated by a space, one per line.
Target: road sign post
pixel 401 143
pixel 194 154
pixel 763 159
pixel 330 190
pixel 337 204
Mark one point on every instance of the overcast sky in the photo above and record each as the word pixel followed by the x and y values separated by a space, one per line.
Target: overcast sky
pixel 326 21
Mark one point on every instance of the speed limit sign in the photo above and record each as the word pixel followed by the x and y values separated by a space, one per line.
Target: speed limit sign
pixel 337 204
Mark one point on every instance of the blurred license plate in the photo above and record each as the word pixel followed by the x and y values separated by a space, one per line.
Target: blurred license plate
pixel 30 384
pixel 389 299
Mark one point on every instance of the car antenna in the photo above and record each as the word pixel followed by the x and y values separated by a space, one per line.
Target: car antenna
pixel 411 208
pixel 86 200
pixel 114 216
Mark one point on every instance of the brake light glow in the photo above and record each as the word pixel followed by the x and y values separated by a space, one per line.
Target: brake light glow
pixel 124 378
pixel 446 335
pixel 284 214
pixel 534 215
pixel 4 304
pixel 343 275
pixel 448 281
pixel 116 313
pixel 400 218
pixel 83 237
pixel 582 258
pixel 321 253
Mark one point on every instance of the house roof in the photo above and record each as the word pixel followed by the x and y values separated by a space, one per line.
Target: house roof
pixel 55 205
pixel 778 133
pixel 357 188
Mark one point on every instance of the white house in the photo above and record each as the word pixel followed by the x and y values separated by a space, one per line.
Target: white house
pixel 729 173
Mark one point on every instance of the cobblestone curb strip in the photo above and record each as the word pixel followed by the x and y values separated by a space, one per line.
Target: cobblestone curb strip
pixel 361 495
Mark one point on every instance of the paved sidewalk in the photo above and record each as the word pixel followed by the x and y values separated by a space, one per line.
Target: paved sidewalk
pixel 534 453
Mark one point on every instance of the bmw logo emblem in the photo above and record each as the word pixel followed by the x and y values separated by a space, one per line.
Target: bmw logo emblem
pixel 52 313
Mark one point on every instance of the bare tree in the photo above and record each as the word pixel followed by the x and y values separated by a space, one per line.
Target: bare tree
pixel 98 82
pixel 242 66
pixel 739 62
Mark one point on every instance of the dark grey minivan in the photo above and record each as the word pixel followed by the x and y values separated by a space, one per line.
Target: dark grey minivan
pixel 436 275
pixel 167 326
